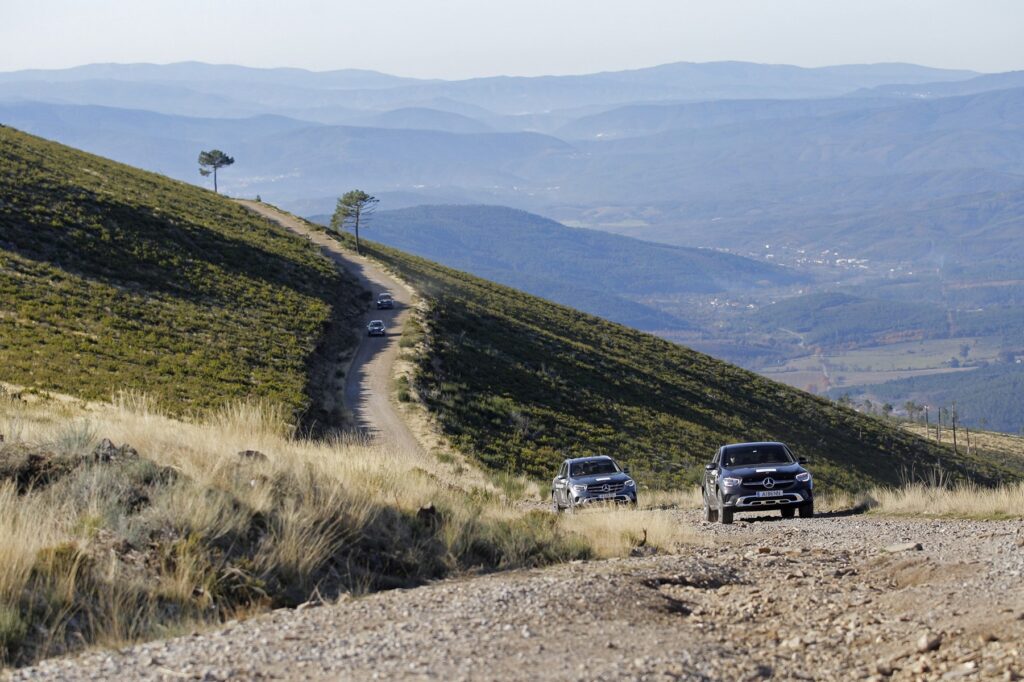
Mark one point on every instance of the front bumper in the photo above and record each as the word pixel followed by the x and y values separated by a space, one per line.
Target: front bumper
pixel 748 499
pixel 623 497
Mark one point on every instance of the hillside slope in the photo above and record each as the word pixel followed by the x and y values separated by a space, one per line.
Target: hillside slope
pixel 112 278
pixel 521 382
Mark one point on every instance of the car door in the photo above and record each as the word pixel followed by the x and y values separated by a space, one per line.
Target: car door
pixel 561 483
pixel 711 476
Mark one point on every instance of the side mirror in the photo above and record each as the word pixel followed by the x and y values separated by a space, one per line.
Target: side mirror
pixel 710 467
pixel 802 460
pixel 625 470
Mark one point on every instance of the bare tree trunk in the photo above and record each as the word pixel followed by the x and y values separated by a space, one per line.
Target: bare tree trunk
pixel 357 230
pixel 215 180
pixel 967 432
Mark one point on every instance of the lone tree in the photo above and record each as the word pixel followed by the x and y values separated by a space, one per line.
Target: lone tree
pixel 210 161
pixel 354 207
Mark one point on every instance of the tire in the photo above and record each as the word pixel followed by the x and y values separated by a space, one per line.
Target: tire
pixel 555 507
pixel 807 510
pixel 788 512
pixel 710 513
pixel 571 506
pixel 724 513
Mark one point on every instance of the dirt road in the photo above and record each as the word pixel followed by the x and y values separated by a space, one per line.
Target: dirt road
pixel 368 378
pixel 818 599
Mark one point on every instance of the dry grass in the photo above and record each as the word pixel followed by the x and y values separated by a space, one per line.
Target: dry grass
pixel 960 501
pixel 190 531
pixel 683 498
pixel 615 532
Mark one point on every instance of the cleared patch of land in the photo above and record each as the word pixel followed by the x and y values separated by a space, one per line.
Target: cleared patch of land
pixel 840 369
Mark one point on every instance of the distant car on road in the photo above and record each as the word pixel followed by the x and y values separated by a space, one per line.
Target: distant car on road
pixel 385 301
pixel 376 328
pixel 584 480
pixel 756 477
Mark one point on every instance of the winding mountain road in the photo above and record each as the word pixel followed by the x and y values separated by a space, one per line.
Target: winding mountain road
pixel 368 379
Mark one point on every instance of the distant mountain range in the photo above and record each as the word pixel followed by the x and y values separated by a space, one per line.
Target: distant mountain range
pixel 889 162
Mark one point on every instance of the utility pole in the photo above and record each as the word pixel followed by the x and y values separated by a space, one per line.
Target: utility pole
pixel 952 417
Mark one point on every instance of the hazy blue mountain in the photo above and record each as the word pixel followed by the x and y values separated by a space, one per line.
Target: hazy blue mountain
pixel 196 72
pixel 157 142
pixel 648 119
pixel 502 95
pixel 421 118
pixel 680 81
pixel 595 271
pixel 166 98
pixel 971 86
pixel 319 161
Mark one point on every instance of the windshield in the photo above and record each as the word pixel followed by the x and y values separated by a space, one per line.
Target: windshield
pixel 592 467
pixel 755 455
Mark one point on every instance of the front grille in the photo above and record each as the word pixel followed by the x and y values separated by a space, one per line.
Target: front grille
pixel 757 483
pixel 605 488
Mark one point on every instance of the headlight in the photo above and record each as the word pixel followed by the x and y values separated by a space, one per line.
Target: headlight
pixel 630 483
pixel 579 488
pixel 729 482
pixel 803 477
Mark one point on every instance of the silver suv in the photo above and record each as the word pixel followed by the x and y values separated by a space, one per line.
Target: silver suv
pixel 584 480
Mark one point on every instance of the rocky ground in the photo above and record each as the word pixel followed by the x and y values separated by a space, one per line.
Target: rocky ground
pixel 828 598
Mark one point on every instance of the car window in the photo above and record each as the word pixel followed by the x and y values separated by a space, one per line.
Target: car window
pixel 561 470
pixel 755 455
pixel 591 467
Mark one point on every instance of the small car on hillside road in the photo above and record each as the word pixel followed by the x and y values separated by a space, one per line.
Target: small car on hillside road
pixel 585 480
pixel 385 301
pixel 376 328
pixel 763 476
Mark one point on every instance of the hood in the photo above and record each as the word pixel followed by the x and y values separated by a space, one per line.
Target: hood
pixel 601 478
pixel 773 470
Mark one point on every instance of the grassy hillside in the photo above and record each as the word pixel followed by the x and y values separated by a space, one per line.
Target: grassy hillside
pixel 521 382
pixel 115 278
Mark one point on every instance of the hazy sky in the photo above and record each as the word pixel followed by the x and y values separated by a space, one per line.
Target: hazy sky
pixel 460 38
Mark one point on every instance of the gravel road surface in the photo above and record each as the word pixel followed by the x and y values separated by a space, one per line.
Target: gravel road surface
pixel 823 599
pixel 368 378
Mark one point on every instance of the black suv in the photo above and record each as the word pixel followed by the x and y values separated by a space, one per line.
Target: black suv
pixel 756 477
pixel 584 480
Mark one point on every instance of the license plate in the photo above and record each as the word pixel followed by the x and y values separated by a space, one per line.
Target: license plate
pixel 769 493
pixel 606 496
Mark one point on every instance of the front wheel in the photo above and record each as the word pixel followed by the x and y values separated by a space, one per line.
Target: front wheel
pixel 788 513
pixel 807 510
pixel 710 513
pixel 724 513
pixel 555 507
